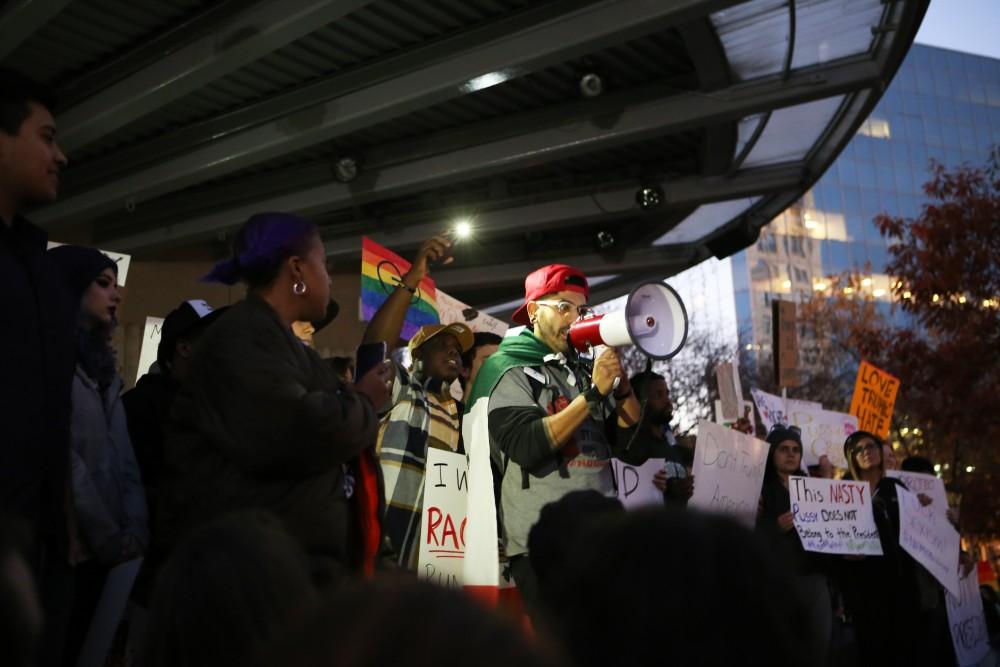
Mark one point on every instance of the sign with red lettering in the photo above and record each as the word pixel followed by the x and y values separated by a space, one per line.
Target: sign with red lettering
pixel 443 519
pixel 728 471
pixel 874 398
pixel 834 516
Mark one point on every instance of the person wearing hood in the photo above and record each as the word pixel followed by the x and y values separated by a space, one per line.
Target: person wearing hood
pixel 775 521
pixel 263 423
pixel 109 503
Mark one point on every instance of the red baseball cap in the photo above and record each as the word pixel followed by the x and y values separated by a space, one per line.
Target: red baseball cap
pixel 548 280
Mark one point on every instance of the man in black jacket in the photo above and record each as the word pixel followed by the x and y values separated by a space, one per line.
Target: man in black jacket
pixel 36 344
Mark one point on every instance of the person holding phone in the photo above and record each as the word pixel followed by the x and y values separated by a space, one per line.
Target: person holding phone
pixel 421 412
pixel 263 422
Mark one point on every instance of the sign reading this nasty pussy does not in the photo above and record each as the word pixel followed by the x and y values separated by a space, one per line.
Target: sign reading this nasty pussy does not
pixel 834 516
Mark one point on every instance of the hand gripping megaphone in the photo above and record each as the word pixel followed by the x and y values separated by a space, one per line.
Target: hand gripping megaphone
pixel 654 320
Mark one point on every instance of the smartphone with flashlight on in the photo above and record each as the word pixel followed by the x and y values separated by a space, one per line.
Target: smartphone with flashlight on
pixel 461 230
pixel 369 356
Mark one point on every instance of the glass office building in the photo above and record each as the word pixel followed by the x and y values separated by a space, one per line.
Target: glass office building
pixel 943 105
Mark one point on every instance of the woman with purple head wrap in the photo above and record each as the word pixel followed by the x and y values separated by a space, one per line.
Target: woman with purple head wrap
pixel 263 423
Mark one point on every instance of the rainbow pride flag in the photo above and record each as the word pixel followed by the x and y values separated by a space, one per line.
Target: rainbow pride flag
pixel 381 269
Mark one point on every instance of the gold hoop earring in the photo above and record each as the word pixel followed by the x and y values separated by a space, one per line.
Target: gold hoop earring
pixel 299 288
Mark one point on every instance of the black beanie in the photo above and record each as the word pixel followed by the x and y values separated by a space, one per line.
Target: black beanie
pixel 79 266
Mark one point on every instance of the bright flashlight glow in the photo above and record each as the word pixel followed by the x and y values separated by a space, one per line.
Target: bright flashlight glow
pixel 463 229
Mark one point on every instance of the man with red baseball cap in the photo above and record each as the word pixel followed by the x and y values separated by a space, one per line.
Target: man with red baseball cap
pixel 546 411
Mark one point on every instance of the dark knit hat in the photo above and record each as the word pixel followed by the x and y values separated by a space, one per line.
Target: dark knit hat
pixel 779 433
pixel 79 266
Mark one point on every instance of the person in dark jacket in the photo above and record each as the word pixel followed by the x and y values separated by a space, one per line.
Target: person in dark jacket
pixel 36 349
pixel 881 592
pixel 775 521
pixel 109 504
pixel 147 405
pixel 263 423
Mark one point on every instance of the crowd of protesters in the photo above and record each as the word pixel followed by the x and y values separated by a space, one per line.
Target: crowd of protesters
pixel 275 497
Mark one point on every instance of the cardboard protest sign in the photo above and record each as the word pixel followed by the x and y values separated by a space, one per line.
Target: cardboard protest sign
pixel 121 261
pixel 635 483
pixel 746 407
pixel 150 341
pixel 730 393
pixel 786 343
pixel 926 534
pixel 728 471
pixel 930 485
pixel 451 310
pixel 874 398
pixel 967 622
pixel 834 516
pixel 823 433
pixel 443 519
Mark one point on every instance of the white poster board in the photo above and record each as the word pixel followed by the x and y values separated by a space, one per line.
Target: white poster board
pixel 150 341
pixel 823 432
pixel 728 471
pixel 918 482
pixel 926 534
pixel 451 310
pixel 443 519
pixel 123 261
pixel 635 483
pixel 108 613
pixel 727 375
pixel 834 516
pixel 967 622
pixel 775 409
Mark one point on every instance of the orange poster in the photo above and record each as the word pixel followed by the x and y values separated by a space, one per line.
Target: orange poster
pixel 874 398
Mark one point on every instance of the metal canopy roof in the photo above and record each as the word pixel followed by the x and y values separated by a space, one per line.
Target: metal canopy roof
pixel 183 117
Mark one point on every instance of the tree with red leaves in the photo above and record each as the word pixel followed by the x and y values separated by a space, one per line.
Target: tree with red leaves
pixel 946 267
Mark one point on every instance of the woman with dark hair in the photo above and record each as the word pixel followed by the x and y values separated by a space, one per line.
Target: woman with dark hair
pixel 775 520
pixel 264 423
pixel 110 505
pixel 881 593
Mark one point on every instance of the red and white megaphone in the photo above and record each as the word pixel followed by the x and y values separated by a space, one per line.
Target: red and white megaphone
pixel 654 320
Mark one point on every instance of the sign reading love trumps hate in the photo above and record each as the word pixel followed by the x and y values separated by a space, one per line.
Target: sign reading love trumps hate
pixel 834 516
pixel 728 471
pixel 443 519
pixel 874 399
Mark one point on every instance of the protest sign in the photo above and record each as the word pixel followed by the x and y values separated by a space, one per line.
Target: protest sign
pixel 635 483
pixel 874 397
pixel 730 393
pixel 746 407
pixel 482 559
pixel 451 310
pixel 443 519
pixel 775 409
pixel 108 613
pixel 834 516
pixel 150 341
pixel 728 471
pixel 930 485
pixel 967 622
pixel 786 343
pixel 823 433
pixel 924 532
